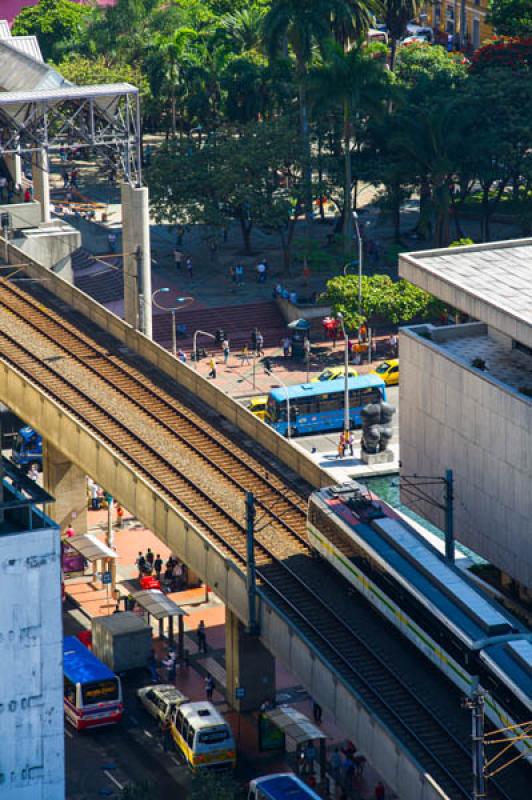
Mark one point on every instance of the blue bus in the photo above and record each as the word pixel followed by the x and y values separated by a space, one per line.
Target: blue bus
pixel 319 407
pixel 280 786
pixel 92 692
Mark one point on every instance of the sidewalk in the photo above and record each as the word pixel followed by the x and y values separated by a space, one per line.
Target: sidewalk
pixel 133 538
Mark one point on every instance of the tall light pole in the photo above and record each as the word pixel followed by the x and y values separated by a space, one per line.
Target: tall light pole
pixel 194 348
pixel 181 301
pixel 360 255
pixel 347 424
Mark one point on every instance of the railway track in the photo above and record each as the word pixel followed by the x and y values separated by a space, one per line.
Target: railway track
pixel 288 576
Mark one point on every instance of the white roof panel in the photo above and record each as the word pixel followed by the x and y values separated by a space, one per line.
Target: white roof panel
pixel 5 33
pixel 66 92
pixel 28 45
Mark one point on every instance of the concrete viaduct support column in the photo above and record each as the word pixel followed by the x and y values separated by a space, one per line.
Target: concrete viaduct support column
pixel 41 183
pixel 68 484
pixel 137 271
pixel 249 665
pixel 14 165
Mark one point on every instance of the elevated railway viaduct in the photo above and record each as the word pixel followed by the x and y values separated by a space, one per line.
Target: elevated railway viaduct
pixel 180 455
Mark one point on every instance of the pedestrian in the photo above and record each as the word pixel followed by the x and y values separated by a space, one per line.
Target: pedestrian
pixel 188 264
pixel 141 564
pixel 309 756
pixel 182 356
pixel 119 516
pixel 212 365
pixel 286 346
pixel 349 774
pixel 341 446
pixel 170 664
pixel 364 332
pixel 33 472
pixel 111 240
pixel 158 566
pixel 150 558
pixel 349 442
pixel 70 532
pixel 202 637
pixel 239 273
pixel 317 711
pixel 178 258
pixel 95 496
pixel 152 664
pixel 393 345
pixel 165 734
pixel 336 765
pixel 244 356
pixel 261 272
pixel 268 365
pixel 306 348
pixel 209 687
pixel 260 344
pixel 177 576
pixel 225 348
pixel 380 791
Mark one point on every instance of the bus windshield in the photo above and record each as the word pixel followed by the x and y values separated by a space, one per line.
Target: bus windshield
pixel 213 735
pixel 100 691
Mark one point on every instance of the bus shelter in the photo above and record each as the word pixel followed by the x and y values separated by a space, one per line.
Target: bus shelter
pixel 297 727
pixel 156 604
pixel 99 555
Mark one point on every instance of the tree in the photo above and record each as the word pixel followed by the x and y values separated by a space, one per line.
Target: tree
pixel 397 14
pixel 83 70
pixel 382 299
pixel 210 786
pixel 357 83
pixel 56 23
pixel 243 28
pixel 511 17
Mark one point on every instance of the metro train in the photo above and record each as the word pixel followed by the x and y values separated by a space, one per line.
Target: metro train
pixel 468 636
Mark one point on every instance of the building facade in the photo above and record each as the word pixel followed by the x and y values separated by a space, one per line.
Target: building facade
pixel 31 652
pixel 466 21
pixel 466 398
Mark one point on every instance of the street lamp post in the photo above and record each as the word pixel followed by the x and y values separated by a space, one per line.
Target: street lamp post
pixel 347 424
pixel 360 255
pixel 172 309
pixel 194 340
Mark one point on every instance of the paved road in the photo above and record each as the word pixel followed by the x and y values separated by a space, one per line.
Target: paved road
pixel 100 763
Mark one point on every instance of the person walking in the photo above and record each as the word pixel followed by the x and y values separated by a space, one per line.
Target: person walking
pixel 239 273
pixel 309 756
pixel 158 566
pixel 33 472
pixel 225 348
pixel 141 564
pixel 209 687
pixel 260 344
pixel 212 365
pixel 317 711
pixel 111 241
pixel 349 443
pixel 202 637
pixel 188 264
pixel 341 446
pixel 244 356
pixel 150 558
pixel 182 356
pixel 177 576
pixel 119 516
pixel 178 259
pixel 286 346
pixel 261 272
pixel 95 497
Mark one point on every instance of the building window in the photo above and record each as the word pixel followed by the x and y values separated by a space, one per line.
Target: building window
pixel 476 33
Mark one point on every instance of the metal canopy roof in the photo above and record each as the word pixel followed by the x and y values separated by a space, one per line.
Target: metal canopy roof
pixel 90 547
pixel 294 724
pixel 158 604
pixel 67 92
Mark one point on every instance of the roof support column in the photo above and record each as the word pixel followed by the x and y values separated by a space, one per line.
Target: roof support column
pixel 68 484
pixel 250 667
pixel 41 182
pixel 14 165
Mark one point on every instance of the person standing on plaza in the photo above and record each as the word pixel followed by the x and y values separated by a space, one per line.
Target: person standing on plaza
pixel 317 711
pixel 158 566
pixel 202 637
pixel 33 472
pixel 260 344
pixel 341 446
pixel 286 346
pixel 212 365
pixel 119 516
pixel 70 532
pixel 244 355
pixel 178 259
pixel 239 273
pixel 141 564
pixel 150 558
pixel 261 272
pixel 95 496
pixel 177 576
pixel 226 351
pixel 188 264
pixel 349 442
pixel 209 687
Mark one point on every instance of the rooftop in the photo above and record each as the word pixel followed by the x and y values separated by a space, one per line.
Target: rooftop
pixel 490 282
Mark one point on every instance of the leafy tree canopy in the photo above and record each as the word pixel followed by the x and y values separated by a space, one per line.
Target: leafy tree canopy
pixel 56 23
pixel 84 70
pixel 382 298
pixel 511 17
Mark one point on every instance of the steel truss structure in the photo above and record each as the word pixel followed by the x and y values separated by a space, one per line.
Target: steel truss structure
pixel 105 117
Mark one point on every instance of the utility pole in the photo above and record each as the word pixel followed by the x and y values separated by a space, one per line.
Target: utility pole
pixel 110 539
pixel 449 516
pixel 476 704
pixel 253 627
pixel 140 289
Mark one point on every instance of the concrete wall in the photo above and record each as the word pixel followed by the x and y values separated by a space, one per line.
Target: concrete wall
pixel 31 652
pixel 53 245
pixel 453 417
pixel 23 215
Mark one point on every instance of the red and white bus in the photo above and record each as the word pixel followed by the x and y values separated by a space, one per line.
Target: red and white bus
pixel 93 693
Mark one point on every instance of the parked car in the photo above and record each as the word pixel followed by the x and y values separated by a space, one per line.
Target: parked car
pixel 257 406
pixel 161 700
pixel 333 373
pixel 388 371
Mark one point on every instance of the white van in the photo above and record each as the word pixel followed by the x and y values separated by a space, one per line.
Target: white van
pixel 203 736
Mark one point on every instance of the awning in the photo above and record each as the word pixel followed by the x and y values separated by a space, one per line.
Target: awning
pixel 158 604
pixel 294 724
pixel 90 547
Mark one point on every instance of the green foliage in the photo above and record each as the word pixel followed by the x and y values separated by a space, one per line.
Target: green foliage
pixel 56 23
pixel 462 242
pixel 382 298
pixel 212 786
pixel 511 17
pixel 84 70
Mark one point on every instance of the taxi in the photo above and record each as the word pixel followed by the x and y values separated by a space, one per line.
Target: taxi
pixel 258 405
pixel 333 373
pixel 388 371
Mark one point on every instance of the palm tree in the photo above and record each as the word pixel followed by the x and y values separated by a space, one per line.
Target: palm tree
pixel 244 27
pixel 397 14
pixel 358 83
pixel 351 20
pixel 170 57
